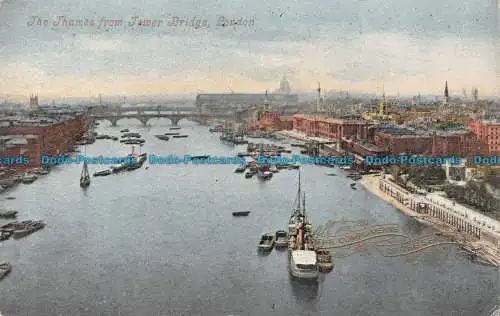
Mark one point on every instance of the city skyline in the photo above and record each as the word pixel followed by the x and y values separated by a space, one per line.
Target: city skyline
pixel 412 51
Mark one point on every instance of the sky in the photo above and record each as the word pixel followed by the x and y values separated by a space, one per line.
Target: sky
pixel 404 46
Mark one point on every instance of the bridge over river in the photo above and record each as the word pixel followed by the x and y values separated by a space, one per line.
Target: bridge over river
pixel 145 113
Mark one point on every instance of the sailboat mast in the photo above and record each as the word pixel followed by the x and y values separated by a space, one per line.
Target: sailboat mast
pixel 85 170
pixel 304 204
pixel 299 193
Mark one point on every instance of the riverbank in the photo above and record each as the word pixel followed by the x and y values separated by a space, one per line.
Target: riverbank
pixel 486 249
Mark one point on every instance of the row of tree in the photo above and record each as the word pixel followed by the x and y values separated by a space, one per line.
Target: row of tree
pixel 474 194
pixel 419 175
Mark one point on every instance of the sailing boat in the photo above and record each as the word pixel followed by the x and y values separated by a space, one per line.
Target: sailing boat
pixel 298 218
pixel 85 177
pixel 302 258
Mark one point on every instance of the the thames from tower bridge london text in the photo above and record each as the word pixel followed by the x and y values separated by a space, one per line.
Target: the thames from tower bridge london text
pixel 140 22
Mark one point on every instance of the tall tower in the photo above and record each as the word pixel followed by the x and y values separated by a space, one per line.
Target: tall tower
pixel 318 104
pixel 383 104
pixel 34 102
pixel 266 103
pixel 446 94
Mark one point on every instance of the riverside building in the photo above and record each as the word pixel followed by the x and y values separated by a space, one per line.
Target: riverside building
pixel 33 136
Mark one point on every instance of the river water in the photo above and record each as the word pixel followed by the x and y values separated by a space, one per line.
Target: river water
pixel 162 241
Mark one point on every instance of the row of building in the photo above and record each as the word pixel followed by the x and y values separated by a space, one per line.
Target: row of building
pixel 41 132
pixel 365 137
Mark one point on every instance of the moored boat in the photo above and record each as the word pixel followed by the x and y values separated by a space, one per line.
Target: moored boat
pixel 136 160
pixel 29 178
pixel 134 141
pixel 239 140
pixel 304 265
pixel 85 176
pixel 325 262
pixel 134 166
pixel 4 235
pixel 102 173
pixel 171 134
pixel 8 214
pixel 244 213
pixel 5 269
pixel 217 128
pixel 266 242
pixel 281 239
pixel 118 168
pixel 44 171
pixel 174 128
pixel 131 135
pixel 180 136
pixel 29 228
pixel 126 130
pixel 249 174
pixel 240 169
pixel 302 259
pixel 41 171
pixel 264 173
pixel 162 137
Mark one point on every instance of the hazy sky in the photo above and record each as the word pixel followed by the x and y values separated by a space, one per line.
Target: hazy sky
pixel 345 44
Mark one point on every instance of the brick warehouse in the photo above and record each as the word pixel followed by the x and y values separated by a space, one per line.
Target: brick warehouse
pixel 326 127
pixel 364 138
pixel 396 141
pixel 42 135
pixel 271 121
pixel 488 132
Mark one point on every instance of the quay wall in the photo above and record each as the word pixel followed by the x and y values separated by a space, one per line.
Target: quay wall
pixel 458 216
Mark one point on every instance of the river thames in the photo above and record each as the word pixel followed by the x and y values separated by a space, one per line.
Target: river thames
pixel 162 241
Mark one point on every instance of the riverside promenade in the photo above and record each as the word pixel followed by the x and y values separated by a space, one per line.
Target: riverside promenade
pixel 465 225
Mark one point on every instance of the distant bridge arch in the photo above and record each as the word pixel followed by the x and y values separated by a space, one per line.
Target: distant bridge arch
pixel 144 119
pixel 144 114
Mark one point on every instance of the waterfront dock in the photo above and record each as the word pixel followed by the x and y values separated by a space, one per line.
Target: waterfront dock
pixel 469 230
